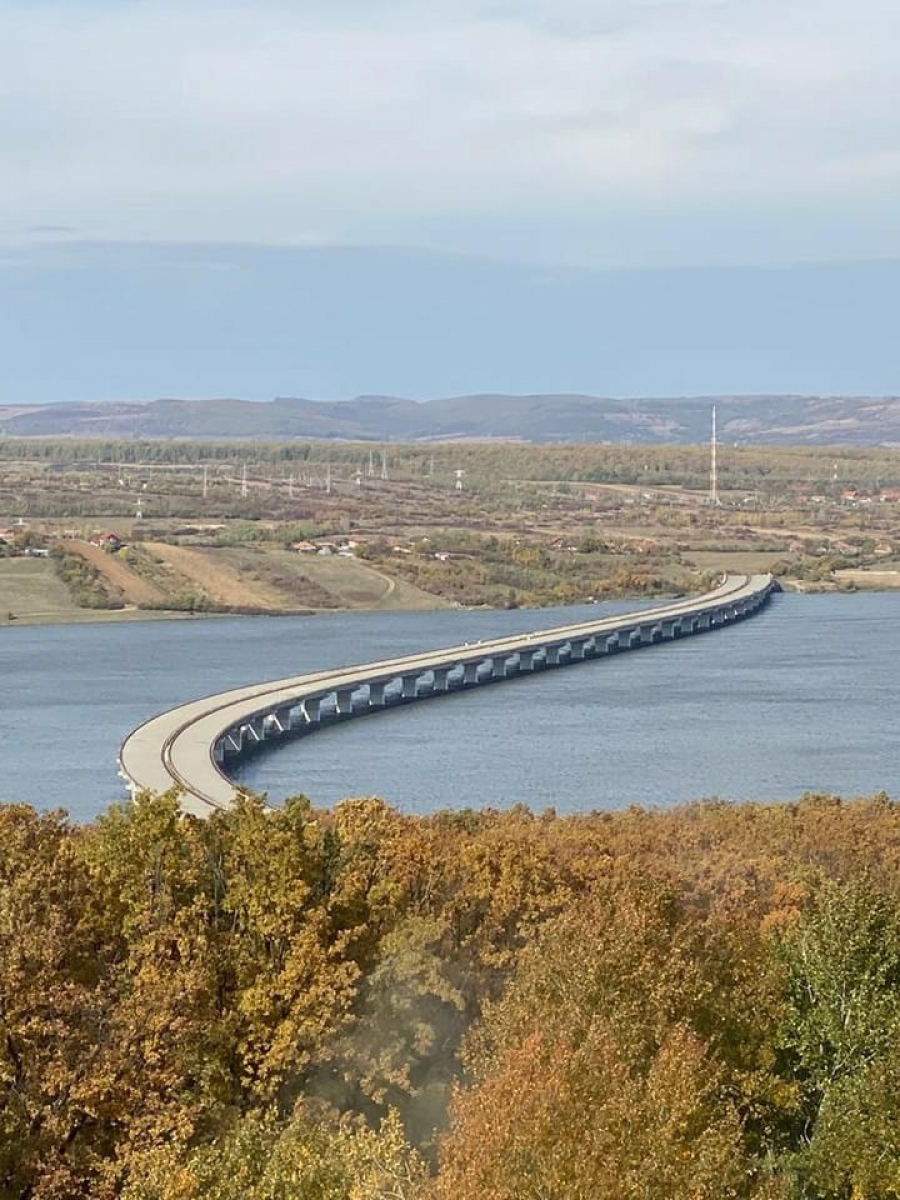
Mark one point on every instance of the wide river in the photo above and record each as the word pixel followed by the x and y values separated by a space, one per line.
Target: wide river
pixel 802 697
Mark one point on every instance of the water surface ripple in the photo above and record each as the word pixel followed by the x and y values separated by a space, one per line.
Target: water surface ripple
pixel 803 696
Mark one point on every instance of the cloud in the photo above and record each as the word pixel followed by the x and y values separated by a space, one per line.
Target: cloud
pixel 455 123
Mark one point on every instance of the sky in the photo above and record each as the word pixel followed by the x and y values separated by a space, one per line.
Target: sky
pixel 588 134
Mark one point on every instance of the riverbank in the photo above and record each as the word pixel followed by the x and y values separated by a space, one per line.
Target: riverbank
pixel 31 593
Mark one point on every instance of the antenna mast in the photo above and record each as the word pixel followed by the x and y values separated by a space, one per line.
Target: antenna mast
pixel 713 465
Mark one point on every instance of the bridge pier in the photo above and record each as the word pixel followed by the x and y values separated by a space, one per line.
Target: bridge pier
pixel 343 702
pixel 278 722
pixel 231 743
pixel 409 687
pixel 253 731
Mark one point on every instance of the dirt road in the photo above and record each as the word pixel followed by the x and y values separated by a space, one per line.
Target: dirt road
pixel 122 581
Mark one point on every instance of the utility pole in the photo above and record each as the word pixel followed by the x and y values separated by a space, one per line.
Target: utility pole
pixel 205 481
pixel 371 471
pixel 384 474
pixel 244 481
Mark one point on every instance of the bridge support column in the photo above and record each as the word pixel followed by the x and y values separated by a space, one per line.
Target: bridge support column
pixel 278 722
pixel 498 667
pixel 624 638
pixel 232 743
pixel 526 658
pixel 440 679
pixel 309 709
pixel 253 731
pixel 551 655
pixel 470 674
pixel 410 687
pixel 376 695
pixel 343 704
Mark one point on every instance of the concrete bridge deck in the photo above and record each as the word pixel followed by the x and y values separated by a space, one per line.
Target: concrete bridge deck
pixel 189 747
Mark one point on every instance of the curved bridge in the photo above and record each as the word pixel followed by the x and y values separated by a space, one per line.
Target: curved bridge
pixel 189 747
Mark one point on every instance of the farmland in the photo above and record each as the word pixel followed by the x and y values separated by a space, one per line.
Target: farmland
pixel 106 530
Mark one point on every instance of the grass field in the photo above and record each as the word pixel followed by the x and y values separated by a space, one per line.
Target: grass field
pixel 265 580
pixel 360 586
pixel 31 594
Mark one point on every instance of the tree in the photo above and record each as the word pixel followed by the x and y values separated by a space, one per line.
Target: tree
pixel 841 1041
pixel 591 1074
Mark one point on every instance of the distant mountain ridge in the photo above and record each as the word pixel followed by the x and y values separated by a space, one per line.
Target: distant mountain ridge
pixel 772 420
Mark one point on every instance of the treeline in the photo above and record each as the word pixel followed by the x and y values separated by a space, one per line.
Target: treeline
pixel 473 569
pixel 702 1004
pixel 762 470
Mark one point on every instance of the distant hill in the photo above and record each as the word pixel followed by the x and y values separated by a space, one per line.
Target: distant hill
pixel 773 420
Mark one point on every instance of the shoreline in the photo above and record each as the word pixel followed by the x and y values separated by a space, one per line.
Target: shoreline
pixel 851 582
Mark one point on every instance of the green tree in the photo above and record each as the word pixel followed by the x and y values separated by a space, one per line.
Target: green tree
pixel 841 1039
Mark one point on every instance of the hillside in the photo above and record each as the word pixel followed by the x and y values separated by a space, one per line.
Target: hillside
pixel 744 420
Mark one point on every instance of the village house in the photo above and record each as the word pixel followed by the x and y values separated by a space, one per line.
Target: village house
pixel 107 541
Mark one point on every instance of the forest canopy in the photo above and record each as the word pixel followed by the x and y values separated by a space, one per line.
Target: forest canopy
pixel 700 1003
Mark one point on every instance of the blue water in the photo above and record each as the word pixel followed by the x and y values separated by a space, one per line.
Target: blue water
pixel 801 697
